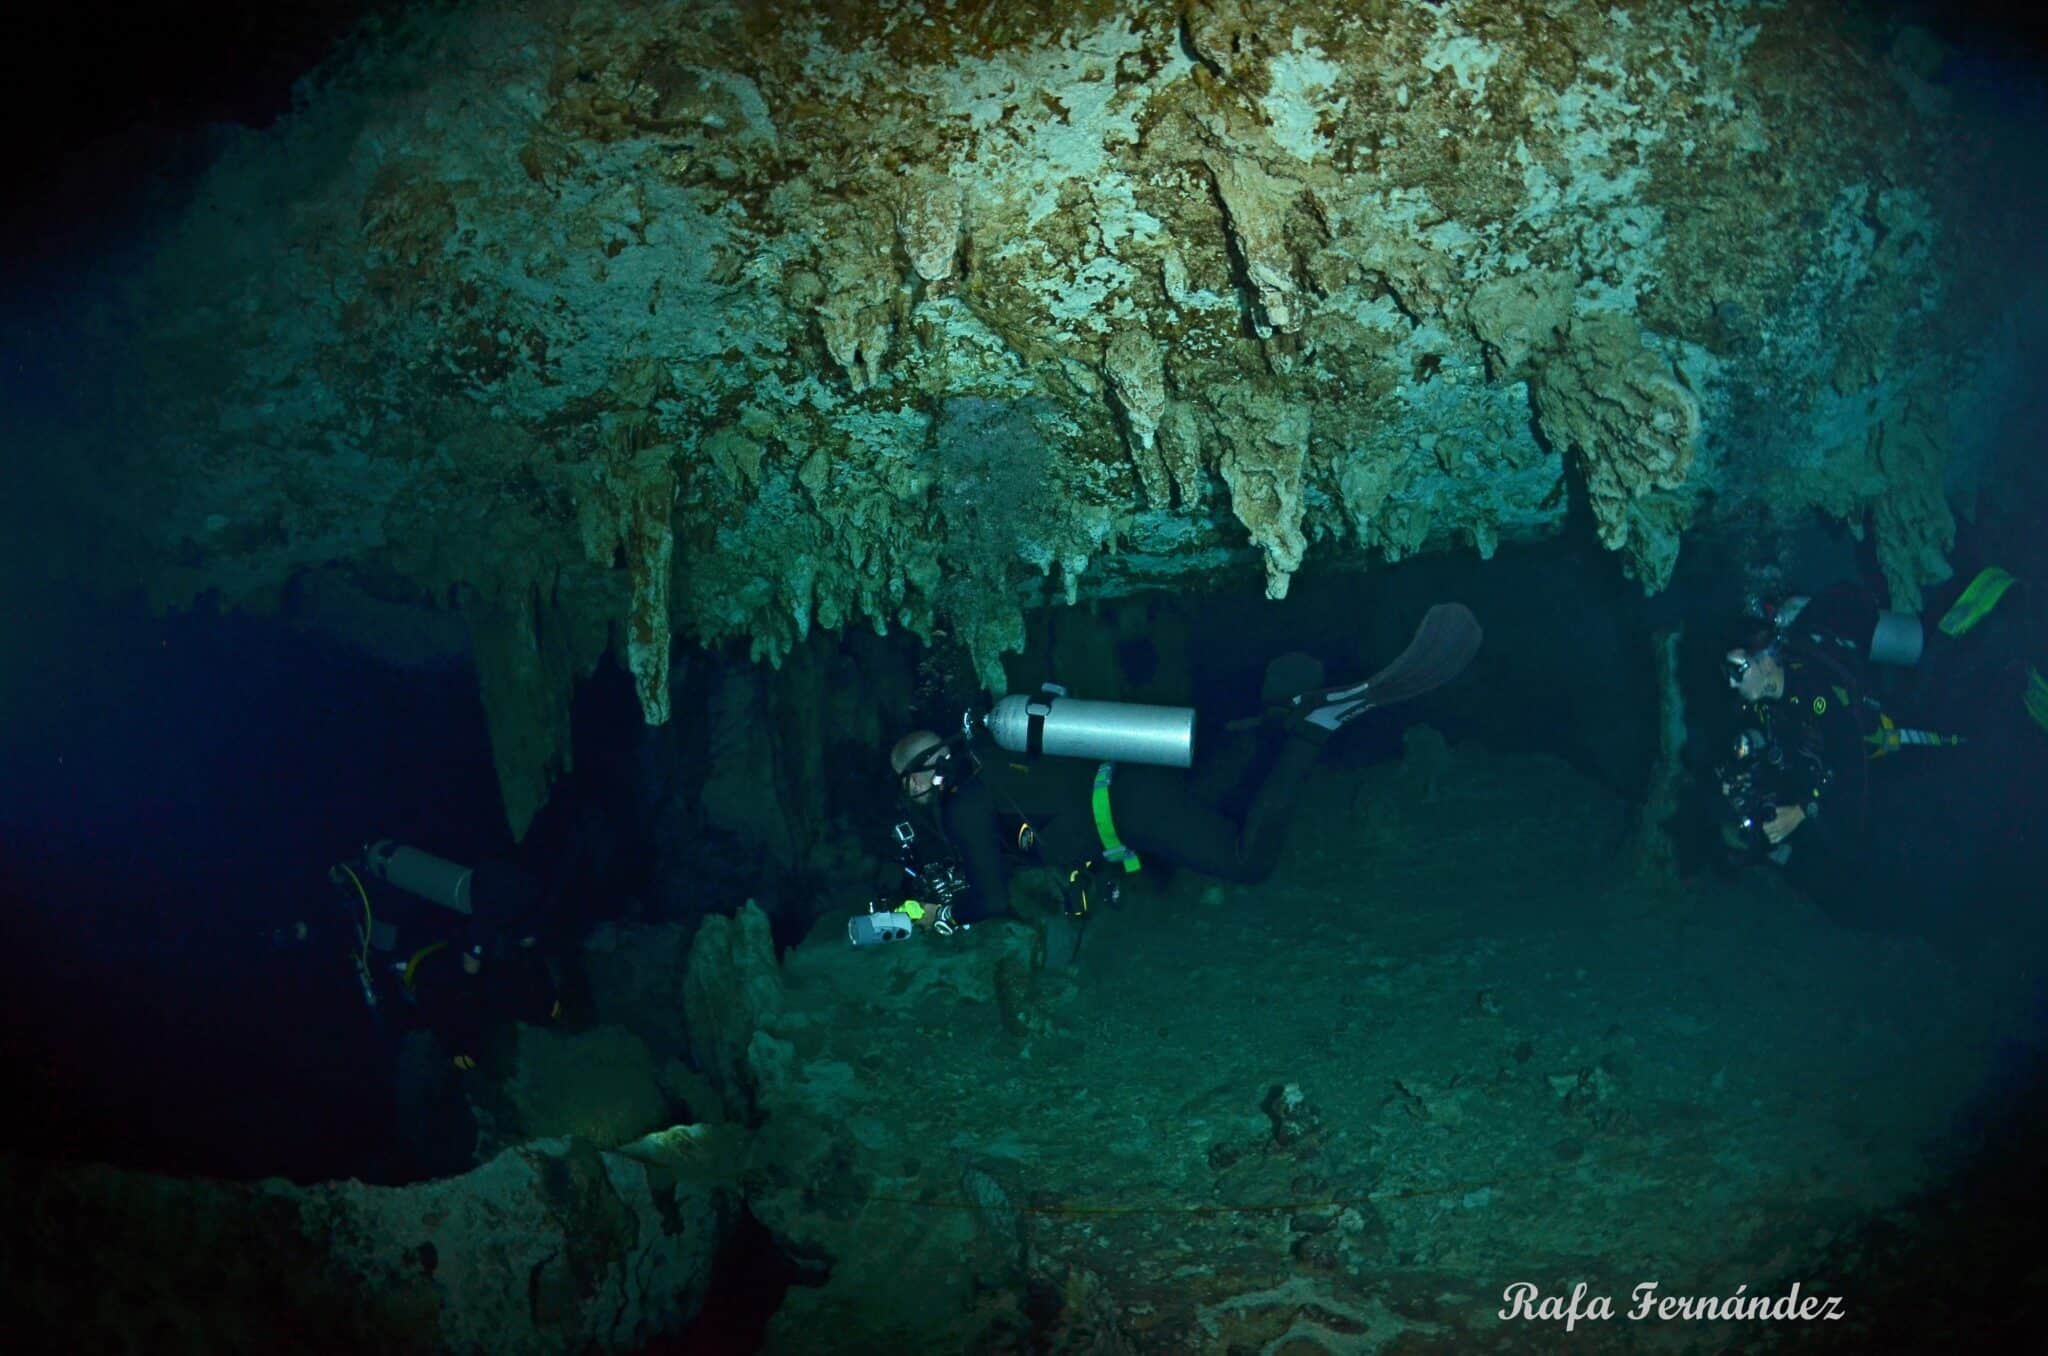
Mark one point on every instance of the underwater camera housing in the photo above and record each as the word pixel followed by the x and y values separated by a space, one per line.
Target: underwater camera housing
pixel 877 927
pixel 1748 786
pixel 934 885
pixel 1749 808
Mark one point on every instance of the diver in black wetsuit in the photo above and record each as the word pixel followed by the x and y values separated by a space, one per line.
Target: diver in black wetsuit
pixel 1805 682
pixel 1082 818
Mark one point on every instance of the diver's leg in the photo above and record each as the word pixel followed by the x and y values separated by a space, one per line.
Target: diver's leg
pixel 1230 754
pixel 1157 813
pixel 1224 762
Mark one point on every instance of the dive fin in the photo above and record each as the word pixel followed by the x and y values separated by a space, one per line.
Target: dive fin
pixel 1443 647
pixel 1976 601
pixel 1286 675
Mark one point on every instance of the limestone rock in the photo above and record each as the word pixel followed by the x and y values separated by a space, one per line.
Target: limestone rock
pixel 1265 456
pixel 1913 523
pixel 527 688
pixel 897 978
pixel 614 329
pixel 1137 374
pixel 1635 427
pixel 598 1086
pixel 826 1145
pixel 1255 206
pixel 856 316
pixel 548 1247
pixel 929 225
pixel 1518 317
pixel 738 797
pixel 731 989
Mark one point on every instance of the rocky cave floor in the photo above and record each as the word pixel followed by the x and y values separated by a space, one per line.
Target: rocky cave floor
pixel 1443 1050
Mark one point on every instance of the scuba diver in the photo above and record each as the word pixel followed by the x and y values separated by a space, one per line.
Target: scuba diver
pixel 1812 719
pixel 1802 681
pixel 1094 789
pixel 445 956
pixel 459 970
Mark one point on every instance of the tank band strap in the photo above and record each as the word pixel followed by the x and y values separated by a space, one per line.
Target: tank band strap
pixel 1113 850
pixel 1035 713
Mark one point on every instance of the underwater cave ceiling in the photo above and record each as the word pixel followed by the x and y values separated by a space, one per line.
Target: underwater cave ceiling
pixel 610 323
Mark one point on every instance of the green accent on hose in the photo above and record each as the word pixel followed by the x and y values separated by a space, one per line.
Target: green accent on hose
pixel 1113 849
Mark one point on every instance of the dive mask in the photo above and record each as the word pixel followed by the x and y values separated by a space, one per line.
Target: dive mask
pixel 936 760
pixel 1738 669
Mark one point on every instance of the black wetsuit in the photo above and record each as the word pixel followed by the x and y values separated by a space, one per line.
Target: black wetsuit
pixel 1836 625
pixel 1155 810
pixel 464 1009
pixel 1821 723
pixel 1818 728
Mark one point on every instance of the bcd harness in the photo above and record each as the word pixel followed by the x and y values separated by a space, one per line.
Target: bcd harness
pixel 1888 737
pixel 1081 879
pixel 1114 851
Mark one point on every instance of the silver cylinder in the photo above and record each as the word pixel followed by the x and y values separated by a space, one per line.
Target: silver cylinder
pixel 1897 639
pixel 434 879
pixel 1116 732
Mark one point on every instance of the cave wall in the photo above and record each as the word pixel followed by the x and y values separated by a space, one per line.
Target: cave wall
pixel 611 326
pixel 550 1246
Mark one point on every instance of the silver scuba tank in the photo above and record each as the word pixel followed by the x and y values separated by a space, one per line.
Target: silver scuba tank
pixel 434 879
pixel 1050 722
pixel 1897 639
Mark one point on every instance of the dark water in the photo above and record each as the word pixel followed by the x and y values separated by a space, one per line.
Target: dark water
pixel 176 791
pixel 173 790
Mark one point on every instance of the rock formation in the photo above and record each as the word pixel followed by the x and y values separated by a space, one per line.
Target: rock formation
pixel 726 321
pixel 550 1246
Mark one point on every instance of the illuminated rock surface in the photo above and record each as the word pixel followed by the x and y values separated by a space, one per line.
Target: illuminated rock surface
pixel 730 321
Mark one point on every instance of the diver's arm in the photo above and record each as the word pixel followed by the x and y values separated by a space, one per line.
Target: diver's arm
pixel 970 822
pixel 1844 615
pixel 1808 771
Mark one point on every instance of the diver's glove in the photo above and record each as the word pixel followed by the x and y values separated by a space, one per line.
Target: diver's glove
pixel 933 918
